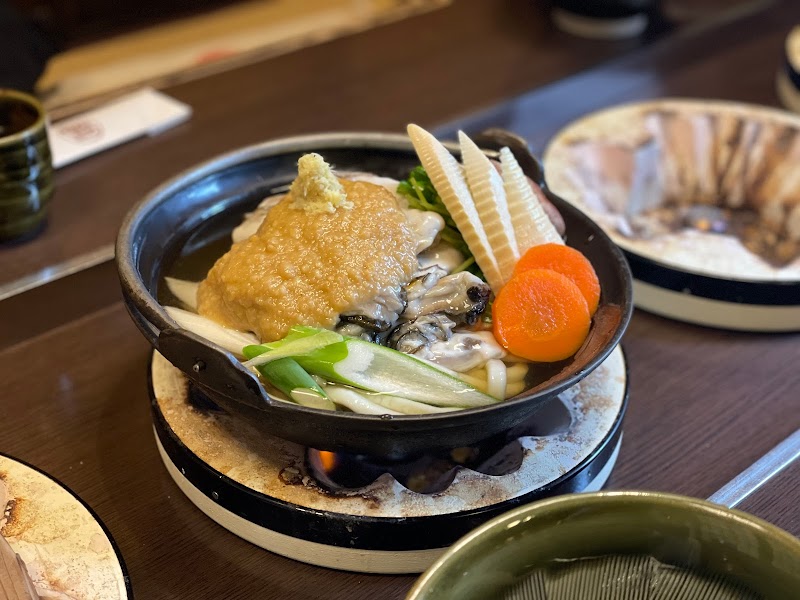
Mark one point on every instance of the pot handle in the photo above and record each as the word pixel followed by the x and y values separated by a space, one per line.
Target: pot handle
pixel 149 331
pixel 214 369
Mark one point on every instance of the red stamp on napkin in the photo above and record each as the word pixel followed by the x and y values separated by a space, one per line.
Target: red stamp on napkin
pixel 82 131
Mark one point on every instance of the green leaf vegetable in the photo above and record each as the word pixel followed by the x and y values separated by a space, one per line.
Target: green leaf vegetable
pixel 419 191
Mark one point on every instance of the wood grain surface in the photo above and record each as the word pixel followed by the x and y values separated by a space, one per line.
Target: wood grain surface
pixel 736 59
pixel 705 404
pixel 425 69
pixel 80 412
pixel 778 500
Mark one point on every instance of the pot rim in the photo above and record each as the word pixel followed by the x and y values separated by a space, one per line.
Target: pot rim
pixel 30 130
pixel 582 501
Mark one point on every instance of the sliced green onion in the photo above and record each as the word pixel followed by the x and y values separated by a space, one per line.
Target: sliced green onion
pixel 375 368
pixel 406 406
pixel 311 398
pixel 367 366
pixel 356 402
pixel 295 346
pixel 291 379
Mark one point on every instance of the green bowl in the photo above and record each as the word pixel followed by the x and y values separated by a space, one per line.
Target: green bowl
pixel 617 545
pixel 26 171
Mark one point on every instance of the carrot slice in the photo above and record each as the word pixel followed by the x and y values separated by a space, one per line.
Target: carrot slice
pixel 567 261
pixel 540 315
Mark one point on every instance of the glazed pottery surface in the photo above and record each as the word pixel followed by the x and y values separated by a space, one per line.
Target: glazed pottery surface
pixel 26 171
pixel 674 530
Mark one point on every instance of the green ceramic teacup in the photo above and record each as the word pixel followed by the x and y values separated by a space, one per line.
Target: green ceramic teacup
pixel 644 544
pixel 26 170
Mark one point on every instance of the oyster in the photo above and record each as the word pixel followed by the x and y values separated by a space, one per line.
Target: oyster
pixel 420 333
pixel 461 296
pixel 373 317
pixel 436 303
pixel 465 350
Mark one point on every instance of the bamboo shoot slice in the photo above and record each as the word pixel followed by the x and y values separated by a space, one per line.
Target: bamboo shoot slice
pixel 486 187
pixel 532 226
pixel 448 180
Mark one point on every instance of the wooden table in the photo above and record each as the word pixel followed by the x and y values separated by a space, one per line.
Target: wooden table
pixel 705 404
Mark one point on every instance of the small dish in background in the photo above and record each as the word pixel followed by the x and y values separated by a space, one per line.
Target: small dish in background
pixel 703 197
pixel 608 20
pixel 616 545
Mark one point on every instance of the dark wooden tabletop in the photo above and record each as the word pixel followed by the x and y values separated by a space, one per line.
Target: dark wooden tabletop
pixel 428 69
pixel 705 404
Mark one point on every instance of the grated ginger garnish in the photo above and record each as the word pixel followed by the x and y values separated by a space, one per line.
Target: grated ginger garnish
pixel 316 188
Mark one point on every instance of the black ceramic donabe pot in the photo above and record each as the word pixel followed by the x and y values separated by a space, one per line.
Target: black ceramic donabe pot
pixel 199 207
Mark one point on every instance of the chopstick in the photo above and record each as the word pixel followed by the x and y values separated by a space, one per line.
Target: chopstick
pixel 760 472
